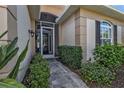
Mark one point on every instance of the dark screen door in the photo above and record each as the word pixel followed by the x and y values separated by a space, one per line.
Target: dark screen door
pixel 47 41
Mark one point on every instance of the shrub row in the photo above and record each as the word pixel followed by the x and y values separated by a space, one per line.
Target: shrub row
pixel 71 56
pixel 94 72
pixel 108 59
pixel 39 73
pixel 110 56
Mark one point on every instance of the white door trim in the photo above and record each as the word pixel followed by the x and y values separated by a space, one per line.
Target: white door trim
pixel 49 55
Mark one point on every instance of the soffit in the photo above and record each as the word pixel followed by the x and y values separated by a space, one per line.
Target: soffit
pixel 34 11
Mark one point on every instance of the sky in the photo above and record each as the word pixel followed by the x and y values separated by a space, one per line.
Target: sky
pixel 119 7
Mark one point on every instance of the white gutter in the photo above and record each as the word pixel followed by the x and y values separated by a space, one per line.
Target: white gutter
pixel 63 13
pixel 108 6
pixel 67 12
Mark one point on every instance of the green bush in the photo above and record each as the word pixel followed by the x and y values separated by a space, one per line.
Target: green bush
pixel 39 72
pixel 71 56
pixel 111 56
pixel 93 72
pixel 37 58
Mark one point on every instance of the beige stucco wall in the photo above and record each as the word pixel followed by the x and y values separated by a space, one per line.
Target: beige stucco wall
pixel 77 28
pixel 9 23
pixel 3 22
pixel 91 38
pixel 3 18
pixel 33 38
pixel 12 22
pixel 97 16
pixel 81 33
pixel 119 34
pixel 24 24
pixel 67 32
pixel 122 35
pixel 53 9
pixel 13 9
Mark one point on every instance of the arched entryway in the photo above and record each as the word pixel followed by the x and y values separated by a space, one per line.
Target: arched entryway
pixel 46 35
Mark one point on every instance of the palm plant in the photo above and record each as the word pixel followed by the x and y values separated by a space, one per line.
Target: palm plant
pixel 10 83
pixel 7 52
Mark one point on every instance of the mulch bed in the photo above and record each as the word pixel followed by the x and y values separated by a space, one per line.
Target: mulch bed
pixel 119 82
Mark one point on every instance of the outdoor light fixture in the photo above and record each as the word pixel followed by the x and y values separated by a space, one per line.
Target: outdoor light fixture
pixel 31 32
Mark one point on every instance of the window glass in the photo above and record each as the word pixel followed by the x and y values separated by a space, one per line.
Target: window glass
pixel 105 33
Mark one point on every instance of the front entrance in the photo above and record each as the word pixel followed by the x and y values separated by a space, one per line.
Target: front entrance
pixel 45 35
pixel 45 39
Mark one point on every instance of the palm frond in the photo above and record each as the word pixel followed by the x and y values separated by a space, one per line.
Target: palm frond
pixel 14 72
pixel 10 83
pixel 8 58
pixel 12 45
pixel 3 52
pixel 3 34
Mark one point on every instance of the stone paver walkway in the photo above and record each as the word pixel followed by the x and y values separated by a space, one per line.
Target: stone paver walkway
pixel 62 77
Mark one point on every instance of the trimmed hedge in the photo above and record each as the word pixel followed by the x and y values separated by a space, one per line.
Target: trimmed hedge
pixel 108 59
pixel 111 56
pixel 93 72
pixel 39 73
pixel 71 56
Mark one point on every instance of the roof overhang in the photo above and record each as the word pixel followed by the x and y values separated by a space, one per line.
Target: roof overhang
pixel 34 11
pixel 102 9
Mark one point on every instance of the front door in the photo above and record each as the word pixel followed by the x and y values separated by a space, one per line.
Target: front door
pixel 45 39
pixel 47 42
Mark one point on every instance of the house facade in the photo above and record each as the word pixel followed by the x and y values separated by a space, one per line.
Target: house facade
pixel 48 26
pixel 89 26
pixel 78 25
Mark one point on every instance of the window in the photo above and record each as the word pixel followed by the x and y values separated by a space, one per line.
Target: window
pixel 106 36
